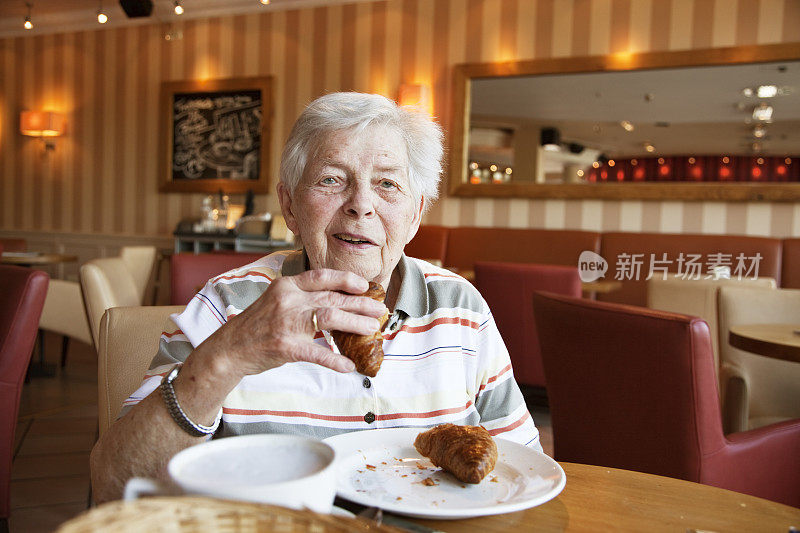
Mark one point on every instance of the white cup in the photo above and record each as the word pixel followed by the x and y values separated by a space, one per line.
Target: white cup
pixel 287 470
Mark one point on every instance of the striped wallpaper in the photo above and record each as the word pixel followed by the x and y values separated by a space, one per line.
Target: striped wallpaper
pixel 102 176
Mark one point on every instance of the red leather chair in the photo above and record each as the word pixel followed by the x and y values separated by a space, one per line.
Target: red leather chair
pixel 189 272
pixel 13 245
pixel 22 294
pixel 430 242
pixel 635 388
pixel 508 289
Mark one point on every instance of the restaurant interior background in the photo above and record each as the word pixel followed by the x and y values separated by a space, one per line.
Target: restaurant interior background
pixel 98 188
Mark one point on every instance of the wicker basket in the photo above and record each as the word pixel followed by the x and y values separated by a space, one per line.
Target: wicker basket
pixel 187 514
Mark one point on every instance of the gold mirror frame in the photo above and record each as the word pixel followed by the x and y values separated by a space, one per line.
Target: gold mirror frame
pixel 778 192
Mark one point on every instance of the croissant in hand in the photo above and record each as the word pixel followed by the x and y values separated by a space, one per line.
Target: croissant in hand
pixel 366 351
pixel 467 452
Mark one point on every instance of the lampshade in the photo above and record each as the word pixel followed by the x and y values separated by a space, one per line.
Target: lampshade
pixel 551 139
pixel 415 95
pixel 41 123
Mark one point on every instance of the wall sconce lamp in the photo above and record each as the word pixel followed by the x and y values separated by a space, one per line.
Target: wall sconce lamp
pixel 417 95
pixel 42 124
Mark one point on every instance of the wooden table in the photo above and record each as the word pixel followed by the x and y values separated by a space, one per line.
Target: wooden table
pixel 35 258
pixel 779 341
pixel 607 499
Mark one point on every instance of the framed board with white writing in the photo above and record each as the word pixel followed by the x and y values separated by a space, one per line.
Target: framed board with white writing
pixel 216 135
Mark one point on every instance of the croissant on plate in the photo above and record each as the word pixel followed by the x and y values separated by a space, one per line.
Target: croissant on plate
pixel 467 452
pixel 366 351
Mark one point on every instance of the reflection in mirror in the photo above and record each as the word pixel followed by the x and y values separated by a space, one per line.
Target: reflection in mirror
pixel 724 123
pixel 711 126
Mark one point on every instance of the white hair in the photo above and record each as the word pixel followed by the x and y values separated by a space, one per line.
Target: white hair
pixel 358 111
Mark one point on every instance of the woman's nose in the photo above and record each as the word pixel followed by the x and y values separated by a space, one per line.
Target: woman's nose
pixel 360 201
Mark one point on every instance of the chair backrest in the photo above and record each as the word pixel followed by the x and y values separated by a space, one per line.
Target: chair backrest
pixel 106 283
pixel 697 297
pixel 770 389
pixel 189 272
pixel 22 295
pixel 140 261
pixel 508 289
pixel 128 342
pixel 64 311
pixel 430 243
pixel 629 387
pixel 13 245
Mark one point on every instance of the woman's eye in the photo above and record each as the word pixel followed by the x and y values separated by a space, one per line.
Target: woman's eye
pixel 328 181
pixel 388 184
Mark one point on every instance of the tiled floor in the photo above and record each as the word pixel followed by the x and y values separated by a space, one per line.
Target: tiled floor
pixel 56 430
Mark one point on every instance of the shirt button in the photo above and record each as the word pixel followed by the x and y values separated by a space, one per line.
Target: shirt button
pixel 369 418
pixel 367 383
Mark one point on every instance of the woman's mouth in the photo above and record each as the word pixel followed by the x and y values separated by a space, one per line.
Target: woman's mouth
pixel 353 239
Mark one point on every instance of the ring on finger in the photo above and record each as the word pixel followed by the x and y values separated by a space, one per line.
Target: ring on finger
pixel 314 320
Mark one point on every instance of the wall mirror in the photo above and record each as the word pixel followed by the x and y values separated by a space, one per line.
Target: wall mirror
pixel 717 124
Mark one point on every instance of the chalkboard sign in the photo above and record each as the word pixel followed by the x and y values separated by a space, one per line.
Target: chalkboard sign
pixel 217 135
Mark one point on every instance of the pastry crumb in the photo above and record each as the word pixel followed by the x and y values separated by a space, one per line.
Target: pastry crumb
pixel 370 467
pixel 421 466
pixel 429 482
pixel 399 498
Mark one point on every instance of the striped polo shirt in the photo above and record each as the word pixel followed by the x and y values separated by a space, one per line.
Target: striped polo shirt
pixel 444 362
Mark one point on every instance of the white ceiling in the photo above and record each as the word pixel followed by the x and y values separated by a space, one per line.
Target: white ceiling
pixel 699 106
pixel 55 16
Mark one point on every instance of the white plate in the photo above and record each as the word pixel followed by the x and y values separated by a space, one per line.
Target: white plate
pixel 381 468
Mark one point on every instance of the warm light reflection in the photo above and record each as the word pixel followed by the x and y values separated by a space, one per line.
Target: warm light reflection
pixel 417 95
pixel 621 59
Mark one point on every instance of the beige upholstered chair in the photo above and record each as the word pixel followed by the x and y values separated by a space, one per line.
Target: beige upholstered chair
pixel 761 390
pixel 128 341
pixel 697 297
pixel 106 283
pixel 64 313
pixel 140 261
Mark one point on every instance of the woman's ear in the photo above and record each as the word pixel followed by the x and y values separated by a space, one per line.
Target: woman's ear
pixel 412 230
pixel 285 199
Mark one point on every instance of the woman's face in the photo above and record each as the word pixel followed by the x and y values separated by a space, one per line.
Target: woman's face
pixel 353 207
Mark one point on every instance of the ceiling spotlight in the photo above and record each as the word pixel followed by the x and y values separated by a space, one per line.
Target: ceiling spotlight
pixel 550 139
pixel 28 25
pixel 649 147
pixel 759 131
pixel 748 92
pixel 767 91
pixel 102 18
pixel 626 125
pixel 756 146
pixel 762 112
pixel 265 2
pixel 178 8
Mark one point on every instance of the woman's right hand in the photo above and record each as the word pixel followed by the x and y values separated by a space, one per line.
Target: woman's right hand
pixel 278 327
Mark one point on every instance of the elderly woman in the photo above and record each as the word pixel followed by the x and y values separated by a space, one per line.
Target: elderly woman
pixel 356 176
